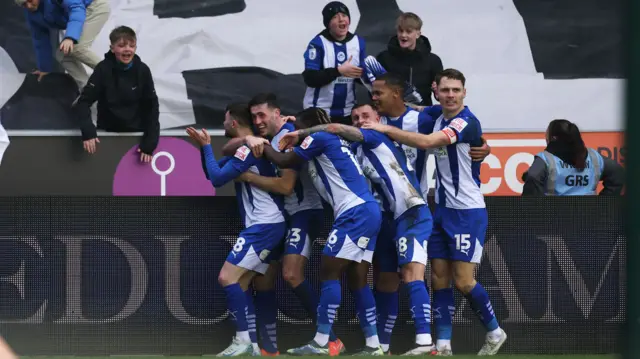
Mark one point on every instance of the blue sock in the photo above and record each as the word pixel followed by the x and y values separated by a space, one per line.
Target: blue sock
pixel 366 308
pixel 420 305
pixel 479 302
pixel 237 305
pixel 309 300
pixel 387 308
pixel 330 297
pixel 444 309
pixel 250 314
pixel 267 309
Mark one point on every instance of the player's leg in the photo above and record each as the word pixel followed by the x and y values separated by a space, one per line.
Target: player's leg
pixel 352 239
pixel 250 313
pixel 303 227
pixel 443 305
pixel 229 279
pixel 250 253
pixel 267 309
pixel 413 231
pixel 364 229
pixel 468 229
pixel 387 281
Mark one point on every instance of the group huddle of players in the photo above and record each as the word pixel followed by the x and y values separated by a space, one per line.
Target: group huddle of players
pixel 373 176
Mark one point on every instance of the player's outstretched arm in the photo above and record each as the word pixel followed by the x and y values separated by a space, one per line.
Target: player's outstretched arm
pixel 221 175
pixel 349 133
pixel 282 160
pixel 283 185
pixel 412 139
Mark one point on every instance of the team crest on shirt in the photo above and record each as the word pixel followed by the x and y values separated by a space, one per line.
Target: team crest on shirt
pixel 459 124
pixel 312 53
pixel 242 153
pixel 440 151
pixel 341 56
pixel 306 143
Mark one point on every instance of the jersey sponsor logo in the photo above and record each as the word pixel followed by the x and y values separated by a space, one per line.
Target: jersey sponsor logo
pixel 344 80
pixel 459 124
pixel 242 153
pixel 451 134
pixel 312 53
pixel 306 143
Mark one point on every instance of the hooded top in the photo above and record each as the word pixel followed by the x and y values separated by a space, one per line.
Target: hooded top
pixel 418 67
pixel 127 101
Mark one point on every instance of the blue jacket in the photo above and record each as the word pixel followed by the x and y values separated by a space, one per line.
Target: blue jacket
pixel 57 15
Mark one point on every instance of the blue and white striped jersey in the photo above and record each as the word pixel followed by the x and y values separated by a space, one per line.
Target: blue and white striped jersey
pixel 338 97
pixel 458 177
pixel 420 122
pixel 335 171
pixel 256 206
pixel 304 195
pixel 387 167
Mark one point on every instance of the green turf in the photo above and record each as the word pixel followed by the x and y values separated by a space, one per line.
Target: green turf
pixel 506 356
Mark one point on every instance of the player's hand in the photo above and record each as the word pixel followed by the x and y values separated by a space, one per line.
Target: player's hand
pixel 66 46
pixel 90 145
pixel 478 154
pixel 289 140
pixel 244 177
pixel 144 157
pixel 201 138
pixel 349 70
pixel 40 74
pixel 256 144
pixel 376 126
pixel 289 118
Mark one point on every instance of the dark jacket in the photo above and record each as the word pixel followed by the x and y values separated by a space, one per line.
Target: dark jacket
pixel 127 101
pixel 418 67
pixel 56 15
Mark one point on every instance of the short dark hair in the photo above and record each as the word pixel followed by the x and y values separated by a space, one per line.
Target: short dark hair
pixel 452 74
pixel 267 98
pixel 122 33
pixel 393 81
pixel 240 113
pixel 357 106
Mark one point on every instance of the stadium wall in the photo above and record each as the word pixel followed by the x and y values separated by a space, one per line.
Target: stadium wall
pixel 138 275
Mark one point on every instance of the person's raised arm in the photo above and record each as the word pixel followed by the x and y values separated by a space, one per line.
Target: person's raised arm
pixel 349 133
pixel 412 139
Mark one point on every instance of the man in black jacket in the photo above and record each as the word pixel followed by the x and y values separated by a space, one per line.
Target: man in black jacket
pixel 127 101
pixel 409 56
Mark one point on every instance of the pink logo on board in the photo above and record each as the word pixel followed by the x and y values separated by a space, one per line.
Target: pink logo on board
pixel 176 170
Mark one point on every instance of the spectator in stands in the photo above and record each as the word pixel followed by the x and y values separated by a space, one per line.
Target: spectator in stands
pixel 127 101
pixel 332 63
pixel 409 56
pixel 82 19
pixel 568 168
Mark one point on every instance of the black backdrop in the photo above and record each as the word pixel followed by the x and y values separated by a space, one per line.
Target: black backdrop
pixel 127 275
